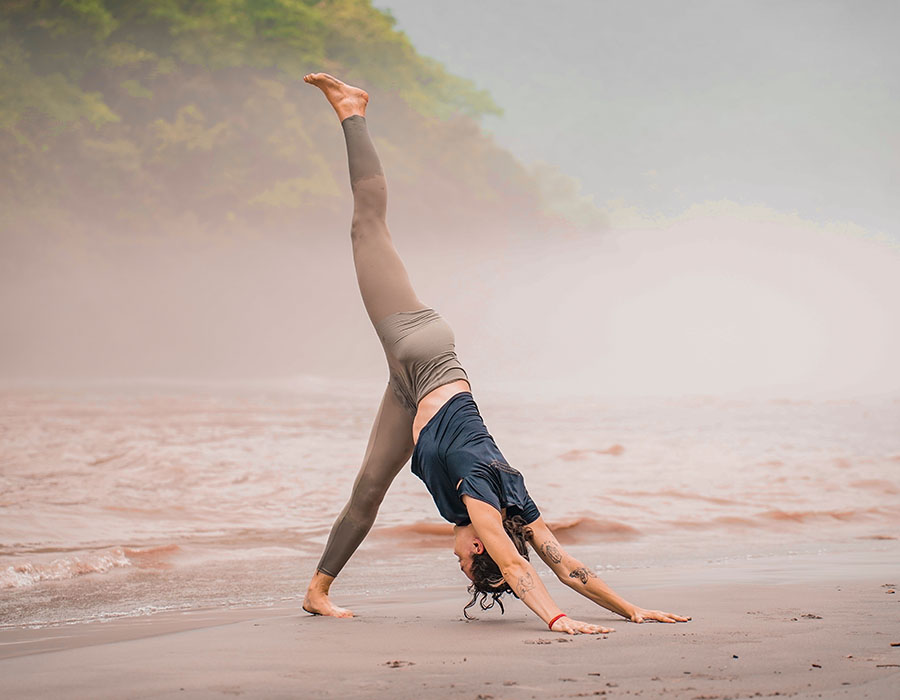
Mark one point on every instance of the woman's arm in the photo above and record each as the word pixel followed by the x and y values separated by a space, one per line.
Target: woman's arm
pixel 579 577
pixel 518 571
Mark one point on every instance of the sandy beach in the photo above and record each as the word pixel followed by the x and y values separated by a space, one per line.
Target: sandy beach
pixel 809 627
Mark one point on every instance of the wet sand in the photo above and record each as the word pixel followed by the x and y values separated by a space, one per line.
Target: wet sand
pixel 827 638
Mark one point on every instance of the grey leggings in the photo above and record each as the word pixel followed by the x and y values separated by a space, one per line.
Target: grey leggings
pixel 385 288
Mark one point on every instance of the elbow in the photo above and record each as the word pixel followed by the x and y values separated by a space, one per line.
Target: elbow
pixel 514 569
pixel 575 574
pixel 521 577
pixel 563 577
pixel 572 581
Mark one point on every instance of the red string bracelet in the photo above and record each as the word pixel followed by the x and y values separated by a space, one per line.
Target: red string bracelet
pixel 550 624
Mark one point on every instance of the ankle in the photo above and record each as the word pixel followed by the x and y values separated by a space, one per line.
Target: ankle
pixel 320 583
pixel 349 107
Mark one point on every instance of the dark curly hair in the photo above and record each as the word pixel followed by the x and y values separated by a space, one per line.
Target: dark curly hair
pixel 488 583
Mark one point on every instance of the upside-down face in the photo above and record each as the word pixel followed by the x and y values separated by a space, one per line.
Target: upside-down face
pixel 466 543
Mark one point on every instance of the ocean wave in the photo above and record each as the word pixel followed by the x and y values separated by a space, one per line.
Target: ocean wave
pixel 877 485
pixel 800 516
pixel 29 573
pixel 572 455
pixel 576 529
pixel 420 534
pixel 579 529
pixel 777 518
pixel 678 495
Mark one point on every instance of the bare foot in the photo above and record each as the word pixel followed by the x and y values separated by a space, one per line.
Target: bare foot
pixel 318 603
pixel 346 99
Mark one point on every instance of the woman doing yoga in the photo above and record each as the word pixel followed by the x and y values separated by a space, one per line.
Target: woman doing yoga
pixel 427 412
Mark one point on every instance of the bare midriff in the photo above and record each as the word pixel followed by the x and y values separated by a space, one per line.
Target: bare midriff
pixel 432 401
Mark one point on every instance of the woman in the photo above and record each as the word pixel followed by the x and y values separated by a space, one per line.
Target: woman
pixel 427 412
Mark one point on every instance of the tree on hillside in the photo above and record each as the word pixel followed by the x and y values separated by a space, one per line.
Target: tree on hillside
pixel 154 112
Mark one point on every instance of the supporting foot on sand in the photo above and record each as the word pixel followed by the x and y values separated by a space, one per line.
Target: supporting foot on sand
pixel 346 99
pixel 317 603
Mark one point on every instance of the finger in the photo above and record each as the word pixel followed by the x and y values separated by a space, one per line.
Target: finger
pixel 676 618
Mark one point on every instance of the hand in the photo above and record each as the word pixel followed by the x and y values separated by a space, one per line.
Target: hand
pixel 570 626
pixel 641 615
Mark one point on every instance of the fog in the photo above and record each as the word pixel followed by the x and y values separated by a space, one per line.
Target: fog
pixel 719 290
pixel 724 300
pixel 665 104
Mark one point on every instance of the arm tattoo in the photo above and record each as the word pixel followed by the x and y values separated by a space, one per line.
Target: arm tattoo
pixel 551 549
pixel 526 583
pixel 583 573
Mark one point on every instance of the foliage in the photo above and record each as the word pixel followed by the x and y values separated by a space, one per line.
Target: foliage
pixel 155 110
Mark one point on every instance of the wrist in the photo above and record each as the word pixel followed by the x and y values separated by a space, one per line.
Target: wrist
pixel 554 619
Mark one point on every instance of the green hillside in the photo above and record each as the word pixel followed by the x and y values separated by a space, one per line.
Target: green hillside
pixel 142 115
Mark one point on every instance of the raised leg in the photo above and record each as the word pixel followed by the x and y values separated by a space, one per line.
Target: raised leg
pixel 383 280
pixel 390 446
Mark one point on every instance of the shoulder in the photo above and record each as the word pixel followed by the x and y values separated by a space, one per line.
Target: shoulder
pixel 478 484
pixel 481 508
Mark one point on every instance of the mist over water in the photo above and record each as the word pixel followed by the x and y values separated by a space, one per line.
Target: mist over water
pixel 716 302
pixel 715 305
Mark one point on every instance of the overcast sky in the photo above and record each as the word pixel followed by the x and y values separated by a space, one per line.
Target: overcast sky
pixel 794 105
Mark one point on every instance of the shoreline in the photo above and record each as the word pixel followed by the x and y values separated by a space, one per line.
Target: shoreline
pixel 376 570
pixel 789 626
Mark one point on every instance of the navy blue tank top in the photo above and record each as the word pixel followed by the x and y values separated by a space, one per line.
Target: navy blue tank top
pixel 455 446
